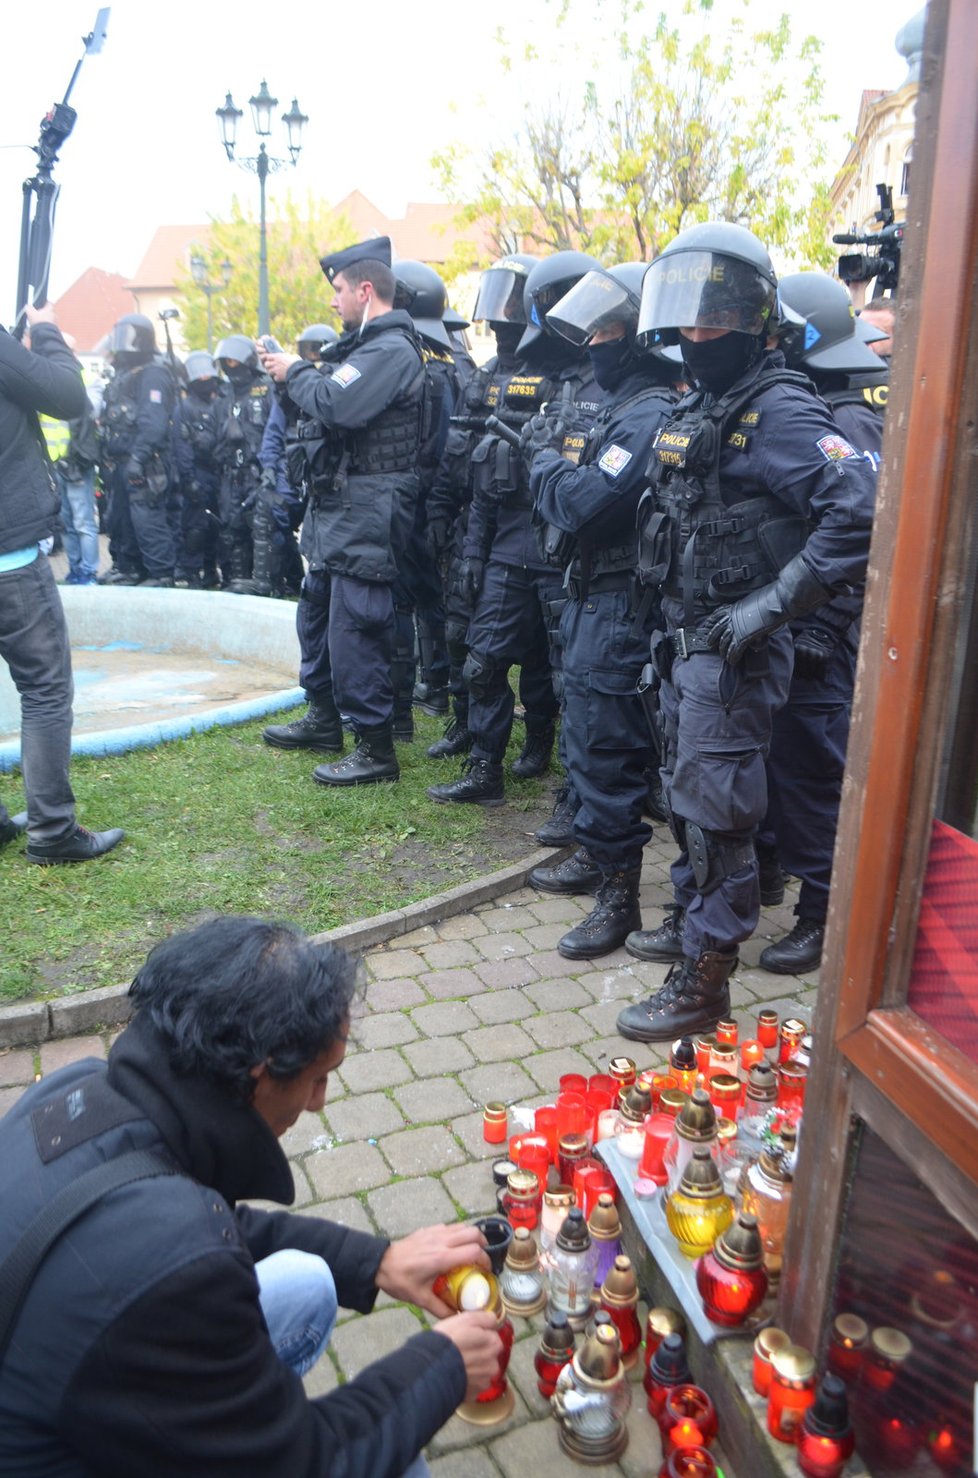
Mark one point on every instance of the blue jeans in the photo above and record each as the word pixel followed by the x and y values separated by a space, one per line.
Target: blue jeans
pixel 298 1300
pixel 34 645
pixel 80 524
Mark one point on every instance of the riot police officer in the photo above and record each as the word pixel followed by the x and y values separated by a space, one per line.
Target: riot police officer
pixel 245 523
pixel 515 590
pixel 759 511
pixel 361 425
pixel 202 412
pixel 808 744
pixel 587 515
pixel 136 457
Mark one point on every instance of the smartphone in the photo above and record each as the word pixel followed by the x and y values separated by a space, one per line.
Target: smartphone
pixel 270 344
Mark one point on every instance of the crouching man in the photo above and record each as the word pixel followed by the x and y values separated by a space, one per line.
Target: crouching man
pixel 165 1327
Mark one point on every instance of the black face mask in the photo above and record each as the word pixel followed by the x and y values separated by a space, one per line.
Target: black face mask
pixel 508 336
pixel 719 363
pixel 240 376
pixel 611 361
pixel 201 389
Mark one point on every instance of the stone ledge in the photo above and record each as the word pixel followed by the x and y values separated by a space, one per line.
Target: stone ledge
pixel 33 1022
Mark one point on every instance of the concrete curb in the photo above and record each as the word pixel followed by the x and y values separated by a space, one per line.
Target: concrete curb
pixel 35 1022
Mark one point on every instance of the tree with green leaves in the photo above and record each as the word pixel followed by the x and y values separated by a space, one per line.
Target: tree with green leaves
pixel 297 290
pixel 658 128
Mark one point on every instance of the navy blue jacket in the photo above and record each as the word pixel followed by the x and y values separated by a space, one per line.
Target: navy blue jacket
pixel 141 1349
pixel 45 378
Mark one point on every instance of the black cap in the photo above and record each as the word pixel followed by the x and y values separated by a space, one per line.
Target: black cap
pixel 829 1416
pixel 574 1235
pixel 377 249
pixel 669 1360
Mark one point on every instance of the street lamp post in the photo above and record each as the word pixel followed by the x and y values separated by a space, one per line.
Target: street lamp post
pixel 199 273
pixel 262 164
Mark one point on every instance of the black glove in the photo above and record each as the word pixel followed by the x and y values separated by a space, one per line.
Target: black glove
pixel 438 535
pixel 541 433
pixel 814 646
pixel 744 623
pixel 268 485
pixel 135 476
pixel 470 576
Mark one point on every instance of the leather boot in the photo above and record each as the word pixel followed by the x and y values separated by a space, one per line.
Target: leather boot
pixel 559 830
pixel 457 739
pixel 664 943
pixel 770 877
pixel 534 759
pixel 373 760
pixel 694 998
pixel 615 915
pixel 798 952
pixel 404 727
pixel 431 700
pixel 481 783
pixel 577 874
pixel 318 729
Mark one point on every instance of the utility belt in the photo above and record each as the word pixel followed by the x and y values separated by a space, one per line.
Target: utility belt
pixel 580 587
pixel 687 641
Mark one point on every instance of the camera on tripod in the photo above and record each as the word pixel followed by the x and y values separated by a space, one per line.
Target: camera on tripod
pixel 882 260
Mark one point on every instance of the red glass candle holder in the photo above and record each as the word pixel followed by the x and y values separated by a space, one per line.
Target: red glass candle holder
pixel 727 1031
pixel 704 1046
pixel 765 1344
pixel 726 1091
pixel 598 1100
pixel 545 1123
pixel 751 1052
pixel 687 1406
pixel 622 1071
pixel 598 1182
pixel 571 1114
pixel 523 1200
pixel 792 1082
pixel 571 1150
pixel 658 1083
pixel 848 1343
pixel 767 1029
pixel 792 1391
pixel 583 1170
pixel 534 1155
pixel 689 1462
pixel 494 1125
pixel 729 1296
pixel 652 1173
pixel 629 1327
pixel 789 1038
pixel 671 1101
pixel 573 1083
pixel 603 1083
pixel 500 1385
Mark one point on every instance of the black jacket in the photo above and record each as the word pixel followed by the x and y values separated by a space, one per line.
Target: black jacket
pixel 45 378
pixel 141 1350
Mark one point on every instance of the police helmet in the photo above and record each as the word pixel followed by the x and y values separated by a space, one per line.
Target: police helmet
pixel 602 297
pixel 500 298
pixel 199 365
pixel 454 321
pixel 826 337
pixel 421 291
pixel 314 340
pixel 716 275
pixel 133 339
pixel 545 285
pixel 239 347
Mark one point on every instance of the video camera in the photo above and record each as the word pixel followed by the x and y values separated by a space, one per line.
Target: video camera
pixel 882 261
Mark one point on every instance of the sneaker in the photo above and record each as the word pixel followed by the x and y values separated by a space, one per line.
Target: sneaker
pixel 12 828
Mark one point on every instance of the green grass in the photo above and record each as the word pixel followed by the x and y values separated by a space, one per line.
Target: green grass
pixel 221 823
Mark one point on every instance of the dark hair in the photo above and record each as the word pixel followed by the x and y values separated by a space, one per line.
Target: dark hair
pixel 237 992
pixel 887 305
pixel 374 271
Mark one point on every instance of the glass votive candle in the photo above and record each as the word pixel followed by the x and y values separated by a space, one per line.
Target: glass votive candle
pixel 847 1346
pixel 599 1183
pixel 660 1322
pixel 689 1462
pixel 553 1214
pixel 659 1083
pixel 889 1349
pixel 523 1200
pixel 571 1115
pixel 792 1082
pixel 602 1083
pixel 704 1046
pixel 571 1150
pixel 622 1071
pixel 607 1124
pixel 765 1344
pixel 534 1154
pixel 724 1058
pixel 630 1136
pixel 583 1171
pixel 502 1170
pixel 573 1083
pixel 671 1101
pixel 687 1405
pixel 727 1031
pixel 725 1090
pixel 751 1051
pixel 545 1123
pixel 652 1172
pixel 494 1126
pixel 598 1101
pixel 767 1029
pixel 790 1038
pixel 792 1391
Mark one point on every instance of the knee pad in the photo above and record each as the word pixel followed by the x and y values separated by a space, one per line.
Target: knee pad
pixel 480 674
pixel 714 856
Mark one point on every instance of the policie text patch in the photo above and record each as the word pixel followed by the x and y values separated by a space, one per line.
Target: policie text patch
pixel 835 448
pixel 615 460
pixel 345 375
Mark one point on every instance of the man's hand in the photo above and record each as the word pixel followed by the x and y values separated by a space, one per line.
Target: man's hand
pixel 477 1340
pixel 276 365
pixel 438 534
pixel 135 476
pixel 409 1267
pixel 40 315
pixel 470 577
pixel 814 646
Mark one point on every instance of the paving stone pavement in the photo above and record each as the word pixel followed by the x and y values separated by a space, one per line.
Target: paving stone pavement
pixel 478 1007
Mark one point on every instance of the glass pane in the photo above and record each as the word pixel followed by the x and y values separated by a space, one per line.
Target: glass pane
pixel 910 1272
pixel 944 975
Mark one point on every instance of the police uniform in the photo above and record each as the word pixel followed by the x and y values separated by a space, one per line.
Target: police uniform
pixel 201 418
pixel 137 466
pixel 244 532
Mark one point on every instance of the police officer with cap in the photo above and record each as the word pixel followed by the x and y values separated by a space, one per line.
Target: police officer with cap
pixel 808 746
pixel 759 511
pixel 361 424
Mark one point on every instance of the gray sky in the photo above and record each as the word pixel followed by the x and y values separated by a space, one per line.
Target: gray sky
pixel 146 150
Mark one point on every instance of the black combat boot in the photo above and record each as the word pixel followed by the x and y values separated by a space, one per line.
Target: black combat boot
pixel 373 760
pixel 798 952
pixel 457 739
pixel 559 830
pixel 403 726
pixel 769 876
pixel 577 874
pixel 694 998
pixel 318 729
pixel 534 757
pixel 615 915
pixel 664 943
pixel 481 783
pixel 655 800
pixel 431 699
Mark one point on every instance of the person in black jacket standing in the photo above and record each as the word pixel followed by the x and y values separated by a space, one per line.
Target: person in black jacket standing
pixel 361 426
pixel 166 1329
pixel 45 379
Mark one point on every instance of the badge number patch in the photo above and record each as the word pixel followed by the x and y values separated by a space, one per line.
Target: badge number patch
pixel 615 460
pixel 835 448
pixel 345 375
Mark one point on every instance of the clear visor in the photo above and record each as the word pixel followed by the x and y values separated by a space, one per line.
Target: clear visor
pixel 702 289
pixel 594 303
pixel 126 338
pixel 500 297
